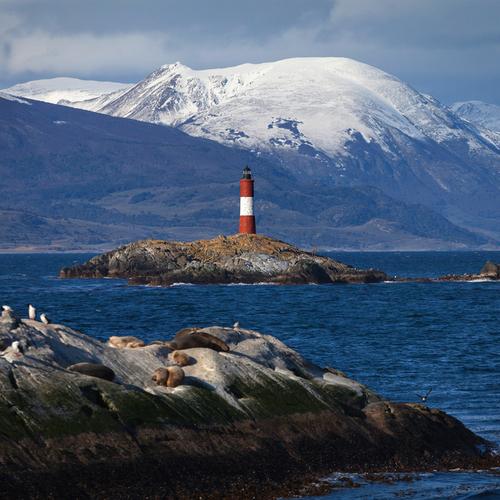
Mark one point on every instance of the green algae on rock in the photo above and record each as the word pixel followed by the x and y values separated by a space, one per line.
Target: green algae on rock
pixel 257 415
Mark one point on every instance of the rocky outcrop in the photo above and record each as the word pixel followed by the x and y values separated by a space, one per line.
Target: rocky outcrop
pixel 490 270
pixel 249 421
pixel 242 258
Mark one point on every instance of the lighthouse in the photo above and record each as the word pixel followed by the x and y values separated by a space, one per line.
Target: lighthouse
pixel 247 218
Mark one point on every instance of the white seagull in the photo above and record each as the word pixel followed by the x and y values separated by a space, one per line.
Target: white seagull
pixel 31 311
pixel 15 350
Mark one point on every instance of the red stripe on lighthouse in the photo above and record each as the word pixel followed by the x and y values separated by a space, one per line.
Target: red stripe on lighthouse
pixel 246 187
pixel 247 224
pixel 247 217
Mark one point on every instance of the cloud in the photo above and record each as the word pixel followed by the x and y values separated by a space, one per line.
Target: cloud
pixel 85 53
pixel 448 48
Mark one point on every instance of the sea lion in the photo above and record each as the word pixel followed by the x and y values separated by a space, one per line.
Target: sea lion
pixel 180 358
pixel 170 376
pixel 93 370
pixel 189 338
pixel 128 341
pixel 160 376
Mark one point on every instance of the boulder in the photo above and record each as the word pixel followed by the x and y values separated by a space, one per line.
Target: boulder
pixel 490 270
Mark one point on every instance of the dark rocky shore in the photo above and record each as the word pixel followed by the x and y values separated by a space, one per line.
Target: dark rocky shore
pixel 489 272
pixel 251 419
pixel 242 258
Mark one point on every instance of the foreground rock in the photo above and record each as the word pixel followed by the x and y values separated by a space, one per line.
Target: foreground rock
pixel 256 421
pixel 242 258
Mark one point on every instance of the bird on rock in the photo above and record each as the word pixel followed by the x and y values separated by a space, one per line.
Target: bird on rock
pixel 8 319
pixel 31 311
pixel 14 351
pixel 44 319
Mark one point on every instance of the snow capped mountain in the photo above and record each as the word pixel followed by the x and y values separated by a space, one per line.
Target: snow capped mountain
pixel 64 90
pixel 77 178
pixel 9 97
pixel 305 103
pixel 329 121
pixel 480 113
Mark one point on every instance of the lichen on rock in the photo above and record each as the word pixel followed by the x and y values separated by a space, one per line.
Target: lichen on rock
pixel 241 258
pixel 260 404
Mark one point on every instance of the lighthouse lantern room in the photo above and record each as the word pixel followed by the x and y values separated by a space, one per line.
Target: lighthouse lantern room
pixel 247 217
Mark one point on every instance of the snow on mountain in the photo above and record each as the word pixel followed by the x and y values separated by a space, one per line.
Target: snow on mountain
pixel 65 90
pixel 335 121
pixel 313 104
pixel 328 121
pixel 9 97
pixel 480 113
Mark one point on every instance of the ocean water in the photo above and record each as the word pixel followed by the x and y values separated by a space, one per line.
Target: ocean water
pixel 401 339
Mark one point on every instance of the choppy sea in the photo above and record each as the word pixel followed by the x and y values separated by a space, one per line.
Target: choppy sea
pixel 401 339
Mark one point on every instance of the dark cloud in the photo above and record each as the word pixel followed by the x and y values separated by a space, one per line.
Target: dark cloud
pixel 448 48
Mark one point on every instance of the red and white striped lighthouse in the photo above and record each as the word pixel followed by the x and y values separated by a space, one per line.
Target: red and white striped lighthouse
pixel 247 218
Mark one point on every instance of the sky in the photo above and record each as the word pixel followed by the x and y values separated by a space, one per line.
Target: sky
pixel 447 48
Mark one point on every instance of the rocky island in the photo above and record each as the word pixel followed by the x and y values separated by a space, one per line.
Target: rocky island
pixel 242 258
pixel 490 272
pixel 208 413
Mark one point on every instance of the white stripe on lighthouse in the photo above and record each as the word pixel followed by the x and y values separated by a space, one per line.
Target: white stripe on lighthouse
pixel 246 205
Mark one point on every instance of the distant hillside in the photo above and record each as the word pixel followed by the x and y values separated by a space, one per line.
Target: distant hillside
pixel 65 90
pixel 76 179
pixel 479 113
pixel 334 121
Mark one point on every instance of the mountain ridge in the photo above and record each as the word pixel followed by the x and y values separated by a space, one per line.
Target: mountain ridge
pixel 65 90
pixel 482 114
pixel 77 179
pixel 333 120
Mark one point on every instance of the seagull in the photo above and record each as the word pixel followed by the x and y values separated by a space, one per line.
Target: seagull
pixel 31 311
pixel 236 325
pixel 424 398
pixel 8 319
pixel 45 320
pixel 15 350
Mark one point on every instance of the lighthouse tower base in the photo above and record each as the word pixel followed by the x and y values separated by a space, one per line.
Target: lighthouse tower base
pixel 247 224
pixel 247 217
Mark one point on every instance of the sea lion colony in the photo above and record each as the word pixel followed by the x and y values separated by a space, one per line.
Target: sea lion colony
pixel 167 376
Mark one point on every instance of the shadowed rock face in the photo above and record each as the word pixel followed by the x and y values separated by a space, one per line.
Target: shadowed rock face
pixel 490 270
pixel 247 420
pixel 240 258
